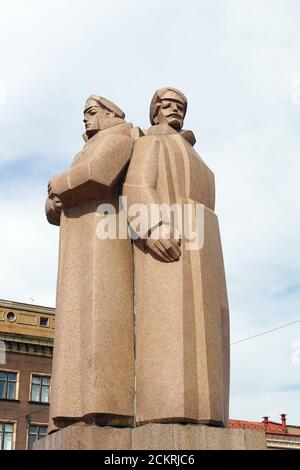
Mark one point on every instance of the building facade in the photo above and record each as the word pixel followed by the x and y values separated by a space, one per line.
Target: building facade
pixel 26 347
pixel 279 435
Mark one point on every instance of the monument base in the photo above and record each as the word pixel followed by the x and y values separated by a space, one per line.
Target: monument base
pixel 153 437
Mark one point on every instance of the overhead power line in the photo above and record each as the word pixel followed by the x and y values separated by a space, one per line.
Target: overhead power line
pixel 265 332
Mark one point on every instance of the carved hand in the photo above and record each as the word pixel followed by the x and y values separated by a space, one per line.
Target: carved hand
pixel 51 191
pixel 57 204
pixel 57 185
pixel 53 209
pixel 166 250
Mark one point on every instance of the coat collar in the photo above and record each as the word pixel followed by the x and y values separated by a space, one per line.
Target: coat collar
pixel 164 129
pixel 161 129
pixel 118 125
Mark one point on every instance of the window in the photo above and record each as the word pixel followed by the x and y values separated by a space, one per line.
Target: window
pixel 11 317
pixel 8 385
pixel 6 436
pixel 36 432
pixel 44 321
pixel 40 388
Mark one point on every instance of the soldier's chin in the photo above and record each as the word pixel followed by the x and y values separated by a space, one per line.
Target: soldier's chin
pixel 90 131
pixel 175 123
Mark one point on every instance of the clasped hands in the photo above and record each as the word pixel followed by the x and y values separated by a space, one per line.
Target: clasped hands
pixel 166 248
pixel 55 199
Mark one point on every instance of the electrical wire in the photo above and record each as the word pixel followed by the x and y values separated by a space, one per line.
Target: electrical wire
pixel 264 333
pixel 232 344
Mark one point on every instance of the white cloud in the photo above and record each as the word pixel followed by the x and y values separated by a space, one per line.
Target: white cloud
pixel 29 253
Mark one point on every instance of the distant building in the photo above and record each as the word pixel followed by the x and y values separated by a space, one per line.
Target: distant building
pixel 26 346
pixel 280 436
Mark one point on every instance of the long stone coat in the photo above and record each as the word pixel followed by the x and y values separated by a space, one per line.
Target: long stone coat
pixel 181 308
pixel 93 363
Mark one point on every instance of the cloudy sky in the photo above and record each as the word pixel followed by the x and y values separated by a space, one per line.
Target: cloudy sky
pixel 238 62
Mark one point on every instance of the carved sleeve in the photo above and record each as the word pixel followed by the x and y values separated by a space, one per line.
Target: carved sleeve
pixel 140 186
pixel 95 176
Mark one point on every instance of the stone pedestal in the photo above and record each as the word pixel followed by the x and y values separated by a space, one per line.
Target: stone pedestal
pixel 153 437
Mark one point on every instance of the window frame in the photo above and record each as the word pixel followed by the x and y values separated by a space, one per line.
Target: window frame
pixel 11 371
pixel 41 375
pixel 14 433
pixel 46 425
pixel 47 320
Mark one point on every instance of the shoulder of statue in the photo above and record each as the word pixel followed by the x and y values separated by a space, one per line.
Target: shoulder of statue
pixel 189 136
pixel 136 133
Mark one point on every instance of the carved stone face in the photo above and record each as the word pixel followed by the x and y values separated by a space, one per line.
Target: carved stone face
pixel 91 120
pixel 172 113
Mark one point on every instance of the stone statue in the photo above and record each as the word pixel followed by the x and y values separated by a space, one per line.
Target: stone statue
pixel 142 325
pixel 93 364
pixel 181 307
